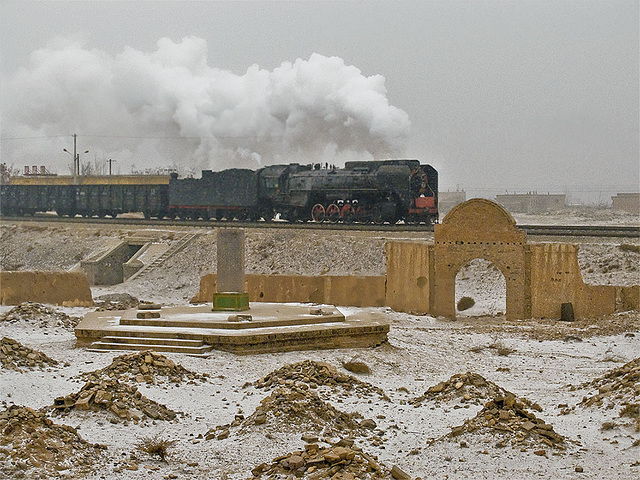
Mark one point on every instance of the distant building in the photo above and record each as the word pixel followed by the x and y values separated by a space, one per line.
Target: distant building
pixel 627 202
pixel 532 202
pixel 448 200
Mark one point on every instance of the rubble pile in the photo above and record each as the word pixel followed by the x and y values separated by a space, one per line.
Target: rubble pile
pixel 471 388
pixel 39 315
pixel 294 408
pixel 123 401
pixel 144 367
pixel 346 462
pixel 116 301
pixel 14 355
pixel 509 419
pixel 618 386
pixel 315 374
pixel 32 446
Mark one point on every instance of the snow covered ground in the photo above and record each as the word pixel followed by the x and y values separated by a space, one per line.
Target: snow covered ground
pixel 538 360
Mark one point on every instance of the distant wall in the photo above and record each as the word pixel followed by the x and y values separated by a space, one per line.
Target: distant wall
pixel 70 289
pixel 626 202
pixel 334 290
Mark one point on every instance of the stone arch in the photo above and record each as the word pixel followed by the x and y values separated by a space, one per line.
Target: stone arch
pixel 479 228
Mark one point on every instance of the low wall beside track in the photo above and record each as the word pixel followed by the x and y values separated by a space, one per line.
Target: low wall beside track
pixel 334 290
pixel 69 289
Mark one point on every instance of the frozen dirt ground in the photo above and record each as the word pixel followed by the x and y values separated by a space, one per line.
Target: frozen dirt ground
pixel 538 360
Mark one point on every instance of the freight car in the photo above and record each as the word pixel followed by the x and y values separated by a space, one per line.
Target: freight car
pixel 367 191
pixel 85 195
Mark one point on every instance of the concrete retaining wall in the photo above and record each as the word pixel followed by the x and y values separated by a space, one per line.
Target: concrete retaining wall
pixel 69 289
pixel 345 291
pixel 409 276
pixel 556 279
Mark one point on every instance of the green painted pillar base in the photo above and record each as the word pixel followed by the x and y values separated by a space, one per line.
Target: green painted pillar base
pixel 230 302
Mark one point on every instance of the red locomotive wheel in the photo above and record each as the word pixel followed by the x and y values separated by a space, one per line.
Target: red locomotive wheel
pixel 347 213
pixel 317 213
pixel 332 213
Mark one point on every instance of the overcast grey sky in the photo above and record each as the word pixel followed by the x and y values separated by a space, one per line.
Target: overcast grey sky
pixel 496 95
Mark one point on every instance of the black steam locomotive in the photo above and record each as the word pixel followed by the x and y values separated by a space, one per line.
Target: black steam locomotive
pixel 366 191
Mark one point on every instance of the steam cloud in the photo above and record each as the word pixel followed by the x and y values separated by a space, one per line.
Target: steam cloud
pixel 169 107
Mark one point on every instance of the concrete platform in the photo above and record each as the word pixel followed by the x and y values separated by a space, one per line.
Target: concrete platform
pixel 196 330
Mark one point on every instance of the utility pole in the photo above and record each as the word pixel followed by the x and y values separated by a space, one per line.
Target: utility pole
pixel 76 160
pixel 76 157
pixel 110 163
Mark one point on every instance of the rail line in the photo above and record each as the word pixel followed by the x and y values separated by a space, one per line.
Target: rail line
pixel 623 231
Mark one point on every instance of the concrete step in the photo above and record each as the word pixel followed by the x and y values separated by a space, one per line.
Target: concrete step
pixel 227 325
pixel 153 341
pixel 175 248
pixel 102 345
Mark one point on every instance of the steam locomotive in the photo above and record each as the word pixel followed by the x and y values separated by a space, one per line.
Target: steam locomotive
pixel 362 191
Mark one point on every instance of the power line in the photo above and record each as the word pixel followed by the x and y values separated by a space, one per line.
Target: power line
pixel 138 137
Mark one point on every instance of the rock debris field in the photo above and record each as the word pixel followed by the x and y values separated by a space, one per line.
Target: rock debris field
pixel 479 397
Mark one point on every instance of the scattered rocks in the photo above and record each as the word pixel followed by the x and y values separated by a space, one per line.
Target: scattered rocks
pixel 124 402
pixel 315 374
pixel 15 356
pixel 509 419
pixel 356 367
pixel 32 446
pixel 116 301
pixel 38 315
pixel 333 462
pixel 618 386
pixel 144 367
pixel 471 388
pixel 293 409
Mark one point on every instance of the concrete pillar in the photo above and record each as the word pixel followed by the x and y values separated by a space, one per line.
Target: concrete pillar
pixel 230 260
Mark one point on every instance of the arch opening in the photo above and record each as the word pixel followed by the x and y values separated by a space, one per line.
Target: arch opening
pixel 483 282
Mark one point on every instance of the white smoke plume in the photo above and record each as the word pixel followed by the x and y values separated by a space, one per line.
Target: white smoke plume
pixel 170 108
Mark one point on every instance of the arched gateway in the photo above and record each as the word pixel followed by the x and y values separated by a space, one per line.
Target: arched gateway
pixel 474 229
pixel 539 277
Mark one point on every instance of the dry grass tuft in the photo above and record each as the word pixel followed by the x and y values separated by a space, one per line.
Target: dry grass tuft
pixel 608 426
pixel 465 303
pixel 156 446
pixel 501 349
pixel 627 247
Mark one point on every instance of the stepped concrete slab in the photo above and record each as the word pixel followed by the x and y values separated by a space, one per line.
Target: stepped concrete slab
pixel 272 327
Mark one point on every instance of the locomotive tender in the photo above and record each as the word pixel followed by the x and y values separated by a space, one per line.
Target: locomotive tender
pixel 363 191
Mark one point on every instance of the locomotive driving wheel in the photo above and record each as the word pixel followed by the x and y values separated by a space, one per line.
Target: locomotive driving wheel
pixel 332 213
pixel 318 213
pixel 347 214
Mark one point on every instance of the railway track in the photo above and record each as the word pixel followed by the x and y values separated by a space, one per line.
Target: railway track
pixel 622 231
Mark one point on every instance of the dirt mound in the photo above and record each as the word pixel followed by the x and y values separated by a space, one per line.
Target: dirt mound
pixel 471 388
pixel 14 355
pixel 116 301
pixel 39 316
pixel 510 421
pixel 144 367
pixel 292 409
pixel 123 401
pixel 335 462
pixel 32 446
pixel 618 386
pixel 315 374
